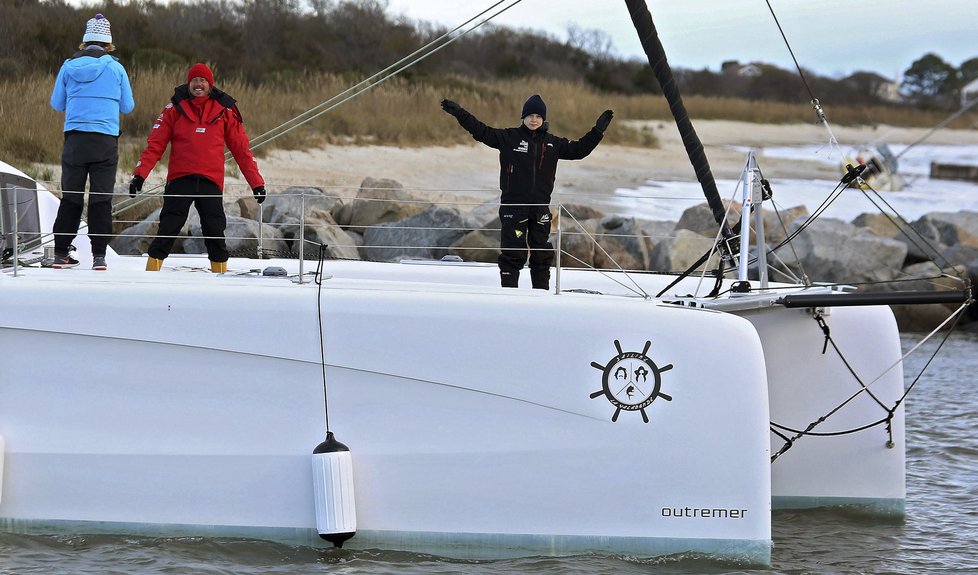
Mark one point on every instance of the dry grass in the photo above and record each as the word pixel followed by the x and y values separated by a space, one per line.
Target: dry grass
pixel 398 112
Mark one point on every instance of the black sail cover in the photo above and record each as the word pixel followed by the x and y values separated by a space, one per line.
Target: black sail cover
pixel 642 20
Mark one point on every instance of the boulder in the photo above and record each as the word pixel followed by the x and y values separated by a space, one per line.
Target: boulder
pixel 289 205
pixel 382 200
pixel 478 246
pixel 140 208
pixel 657 230
pixel 482 215
pixel 285 210
pixel 680 251
pixel 575 212
pixel 577 243
pixel 832 250
pixel 699 219
pixel 937 231
pixel 952 228
pixel 241 236
pixel 426 235
pixel 879 224
pixel 135 240
pixel 622 244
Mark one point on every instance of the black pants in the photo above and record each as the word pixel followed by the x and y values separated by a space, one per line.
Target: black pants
pixel 178 196
pixel 525 227
pixel 93 157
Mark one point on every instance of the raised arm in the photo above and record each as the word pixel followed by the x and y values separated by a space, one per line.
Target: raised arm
pixel 492 137
pixel 577 149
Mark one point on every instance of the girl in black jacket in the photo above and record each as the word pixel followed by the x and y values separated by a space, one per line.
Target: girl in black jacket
pixel 528 157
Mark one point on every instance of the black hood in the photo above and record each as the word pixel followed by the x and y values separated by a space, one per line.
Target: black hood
pixel 182 92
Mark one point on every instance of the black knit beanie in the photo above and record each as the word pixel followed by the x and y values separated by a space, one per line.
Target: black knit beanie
pixel 534 105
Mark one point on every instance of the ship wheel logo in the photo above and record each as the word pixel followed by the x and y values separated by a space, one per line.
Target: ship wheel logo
pixel 631 381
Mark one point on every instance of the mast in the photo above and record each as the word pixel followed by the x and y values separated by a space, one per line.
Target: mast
pixel 642 20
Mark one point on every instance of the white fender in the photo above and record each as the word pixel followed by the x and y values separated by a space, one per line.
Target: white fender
pixel 332 478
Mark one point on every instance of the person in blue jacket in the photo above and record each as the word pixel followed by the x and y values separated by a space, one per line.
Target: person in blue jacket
pixel 92 89
pixel 528 157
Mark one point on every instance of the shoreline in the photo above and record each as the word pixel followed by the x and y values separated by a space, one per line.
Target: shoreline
pixel 472 170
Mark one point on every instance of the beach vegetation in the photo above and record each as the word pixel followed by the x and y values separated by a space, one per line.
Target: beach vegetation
pixel 295 63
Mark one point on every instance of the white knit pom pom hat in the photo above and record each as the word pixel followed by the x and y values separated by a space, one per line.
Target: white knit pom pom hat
pixel 98 30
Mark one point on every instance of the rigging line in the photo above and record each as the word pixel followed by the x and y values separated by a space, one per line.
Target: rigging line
pixel 947 335
pixel 320 265
pixel 717 238
pixel 723 234
pixel 814 101
pixel 702 260
pixel 805 280
pixel 425 51
pixel 808 431
pixel 864 388
pixel 954 315
pixel 788 273
pixel 828 338
pixel 927 245
pixel 771 251
pixel 638 287
pixel 604 273
pixel 946 121
pixel 832 197
pixel 402 60
pixel 792 52
pixel 828 433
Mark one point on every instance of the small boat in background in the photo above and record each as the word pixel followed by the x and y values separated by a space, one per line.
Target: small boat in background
pixel 881 166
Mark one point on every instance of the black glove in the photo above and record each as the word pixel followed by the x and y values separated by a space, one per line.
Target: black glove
pixel 451 107
pixel 135 186
pixel 604 120
pixel 259 194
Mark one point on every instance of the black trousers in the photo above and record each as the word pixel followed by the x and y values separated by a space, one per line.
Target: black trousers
pixel 525 227
pixel 178 196
pixel 93 157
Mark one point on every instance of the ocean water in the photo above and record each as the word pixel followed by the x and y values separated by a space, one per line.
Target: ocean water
pixel 920 195
pixel 938 535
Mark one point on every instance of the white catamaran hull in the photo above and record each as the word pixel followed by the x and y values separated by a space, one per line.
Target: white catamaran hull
pixel 482 422
pixel 476 417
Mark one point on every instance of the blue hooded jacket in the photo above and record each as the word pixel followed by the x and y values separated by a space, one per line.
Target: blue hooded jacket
pixel 92 88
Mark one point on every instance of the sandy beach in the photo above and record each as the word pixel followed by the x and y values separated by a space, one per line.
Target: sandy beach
pixel 466 170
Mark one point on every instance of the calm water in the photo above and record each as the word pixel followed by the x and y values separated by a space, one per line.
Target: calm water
pixel 939 535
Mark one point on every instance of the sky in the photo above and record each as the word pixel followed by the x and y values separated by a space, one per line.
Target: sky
pixel 830 37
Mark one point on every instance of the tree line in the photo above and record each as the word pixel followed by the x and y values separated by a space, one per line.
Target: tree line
pixel 280 41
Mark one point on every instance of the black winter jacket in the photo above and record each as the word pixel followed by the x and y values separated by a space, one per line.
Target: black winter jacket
pixel 528 159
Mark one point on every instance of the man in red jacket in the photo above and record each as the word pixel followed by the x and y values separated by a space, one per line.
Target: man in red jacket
pixel 197 124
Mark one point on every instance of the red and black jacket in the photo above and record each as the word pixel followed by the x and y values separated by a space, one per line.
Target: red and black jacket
pixel 197 137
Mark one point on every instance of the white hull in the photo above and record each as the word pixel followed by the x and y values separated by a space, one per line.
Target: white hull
pixel 482 422
pixel 159 405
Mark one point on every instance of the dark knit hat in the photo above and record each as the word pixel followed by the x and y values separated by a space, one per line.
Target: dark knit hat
pixel 534 105
pixel 200 71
